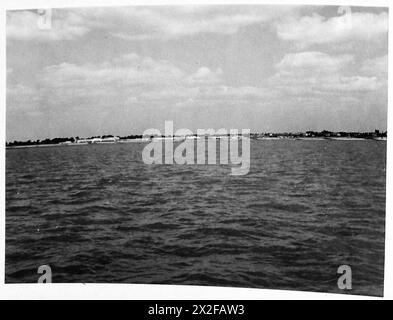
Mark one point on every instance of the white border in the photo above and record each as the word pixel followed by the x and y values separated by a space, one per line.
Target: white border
pixel 155 292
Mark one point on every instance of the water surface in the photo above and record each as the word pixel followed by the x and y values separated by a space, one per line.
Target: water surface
pixel 97 213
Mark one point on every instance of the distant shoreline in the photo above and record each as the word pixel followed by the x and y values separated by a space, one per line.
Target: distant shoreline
pixel 105 139
pixel 177 139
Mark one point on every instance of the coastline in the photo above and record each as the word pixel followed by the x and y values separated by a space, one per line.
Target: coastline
pixel 177 139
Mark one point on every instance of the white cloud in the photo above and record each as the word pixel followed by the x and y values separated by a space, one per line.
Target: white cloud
pixel 125 82
pixel 354 83
pixel 178 21
pixel 205 76
pixel 140 23
pixel 312 61
pixel 135 80
pixel 316 29
pixel 314 72
pixel 130 70
pixel 23 25
pixel 206 79
pixel 129 78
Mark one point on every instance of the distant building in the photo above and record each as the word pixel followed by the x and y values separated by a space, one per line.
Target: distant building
pixel 98 140
pixel 109 140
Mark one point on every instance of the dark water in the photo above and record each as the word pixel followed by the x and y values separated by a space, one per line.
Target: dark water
pixel 97 213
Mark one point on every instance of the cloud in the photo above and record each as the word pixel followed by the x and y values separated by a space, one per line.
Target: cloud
pixel 130 70
pixel 376 66
pixel 312 61
pixel 141 23
pixel 128 78
pixel 180 21
pixel 205 76
pixel 136 79
pixel 313 72
pixel 136 91
pixel 316 29
pixel 127 82
pixel 354 83
pixel 21 99
pixel 62 86
pixel 24 25
pixel 131 79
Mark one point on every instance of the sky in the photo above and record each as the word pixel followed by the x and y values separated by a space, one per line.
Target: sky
pixel 123 70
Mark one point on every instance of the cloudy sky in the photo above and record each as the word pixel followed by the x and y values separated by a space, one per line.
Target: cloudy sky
pixel 267 68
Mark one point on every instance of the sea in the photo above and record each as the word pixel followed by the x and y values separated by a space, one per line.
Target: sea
pixel 98 214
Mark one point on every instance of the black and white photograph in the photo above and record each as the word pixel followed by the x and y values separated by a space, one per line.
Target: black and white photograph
pixel 220 145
